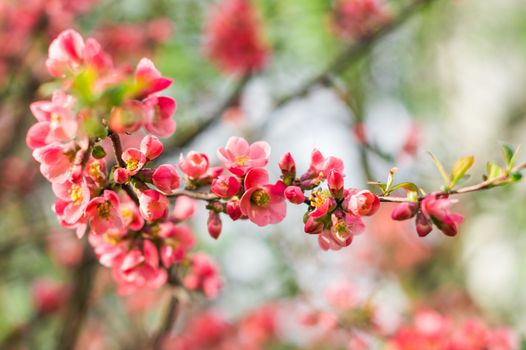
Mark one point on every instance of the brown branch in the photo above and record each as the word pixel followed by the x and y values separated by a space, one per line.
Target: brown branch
pixel 77 308
pixel 355 51
pixel 205 196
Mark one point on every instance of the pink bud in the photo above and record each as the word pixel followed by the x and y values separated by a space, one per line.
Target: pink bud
pixel 151 147
pixel 423 225
pixel 153 205
pixel 361 203
pixel 294 194
pixel 120 176
pixel 233 209
pixel 48 296
pixel 214 224
pixel 165 178
pixel 134 159
pixel 404 211
pixel 225 186
pixel 335 182
pixel 287 165
pixel 127 118
pixel 194 165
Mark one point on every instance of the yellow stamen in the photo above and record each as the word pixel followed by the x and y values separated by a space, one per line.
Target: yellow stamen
pixel 76 194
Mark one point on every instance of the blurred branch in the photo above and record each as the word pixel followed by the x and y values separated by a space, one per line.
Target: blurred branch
pixel 355 51
pixel 77 308
pixel 171 312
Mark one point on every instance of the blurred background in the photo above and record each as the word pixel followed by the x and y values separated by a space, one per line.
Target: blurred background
pixel 377 84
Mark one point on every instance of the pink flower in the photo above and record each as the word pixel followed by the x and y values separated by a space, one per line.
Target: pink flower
pixel 263 203
pixel 437 210
pixel 151 147
pixel 352 19
pixel 127 118
pixel 203 275
pixel 319 169
pixel 153 204
pixel 65 53
pixel 344 226
pixel 239 157
pixel 313 226
pixel 37 135
pixel 79 226
pixel 139 269
pixel 294 194
pixel 148 79
pixel 48 296
pixel 134 160
pixel 194 165
pixel 165 178
pixel 56 162
pixel 225 186
pixel 361 203
pixel 57 116
pixel 404 211
pixel 184 208
pixel 214 224
pixel 160 110
pixel 76 194
pixel 108 247
pixel 233 37
pixel 322 203
pixel 103 213
pixel 178 240
pixel 130 214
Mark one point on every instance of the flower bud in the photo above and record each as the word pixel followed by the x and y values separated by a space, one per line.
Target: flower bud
pixel 214 224
pixel 184 208
pixel 165 178
pixel 233 209
pixel 423 225
pixel 294 194
pixel 225 186
pixel 194 165
pixel 120 176
pixel 404 211
pixel 288 167
pixel 151 147
pixel 48 296
pixel 361 203
pixel 312 226
pixel 335 182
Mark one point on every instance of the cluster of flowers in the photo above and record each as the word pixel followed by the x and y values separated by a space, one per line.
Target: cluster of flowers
pixel 234 39
pixel 19 20
pixel 352 19
pixel 131 232
pixel 345 323
pixel 127 207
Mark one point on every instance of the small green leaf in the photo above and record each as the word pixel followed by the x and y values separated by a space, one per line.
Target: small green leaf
pixel 83 86
pixel 440 169
pixel 507 153
pixel 493 171
pixel 98 152
pixel 380 185
pixel 459 169
pixel 409 186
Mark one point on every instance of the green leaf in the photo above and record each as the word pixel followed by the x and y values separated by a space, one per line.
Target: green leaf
pixel 440 169
pixel 409 186
pixel 510 155
pixel 83 86
pixel 459 169
pixel 380 185
pixel 493 171
pixel 390 179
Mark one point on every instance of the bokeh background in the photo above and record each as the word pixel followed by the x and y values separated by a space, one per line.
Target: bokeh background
pixel 448 78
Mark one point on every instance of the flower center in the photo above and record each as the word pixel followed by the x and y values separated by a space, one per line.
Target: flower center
pixel 127 214
pixel 318 198
pixel 94 169
pixel 76 194
pixel 55 119
pixel 132 164
pixel 111 239
pixel 341 230
pixel 103 210
pixel 242 160
pixel 260 198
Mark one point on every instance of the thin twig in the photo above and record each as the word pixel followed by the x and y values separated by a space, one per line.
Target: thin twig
pixel 117 148
pixel 355 51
